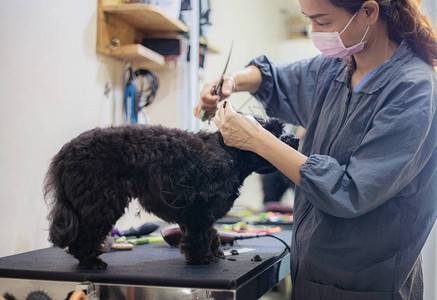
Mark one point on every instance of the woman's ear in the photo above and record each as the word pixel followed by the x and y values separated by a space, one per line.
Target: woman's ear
pixel 371 12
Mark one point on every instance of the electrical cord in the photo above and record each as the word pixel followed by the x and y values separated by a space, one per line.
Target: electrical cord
pixel 281 240
pixel 260 235
pixel 140 88
pixel 149 86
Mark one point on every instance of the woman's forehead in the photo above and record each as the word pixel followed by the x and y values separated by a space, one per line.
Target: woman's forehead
pixel 315 8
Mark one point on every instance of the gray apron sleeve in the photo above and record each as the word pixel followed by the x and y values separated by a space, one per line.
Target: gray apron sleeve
pixel 287 90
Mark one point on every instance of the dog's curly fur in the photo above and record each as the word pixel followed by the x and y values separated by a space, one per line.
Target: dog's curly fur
pixel 184 178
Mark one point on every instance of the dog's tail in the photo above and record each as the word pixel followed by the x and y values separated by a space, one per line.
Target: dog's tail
pixel 63 220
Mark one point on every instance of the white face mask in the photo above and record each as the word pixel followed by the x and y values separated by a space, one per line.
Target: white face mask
pixel 331 45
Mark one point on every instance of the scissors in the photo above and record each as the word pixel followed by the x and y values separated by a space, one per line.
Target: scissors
pixel 217 88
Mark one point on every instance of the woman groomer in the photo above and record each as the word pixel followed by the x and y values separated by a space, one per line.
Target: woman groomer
pixel 367 182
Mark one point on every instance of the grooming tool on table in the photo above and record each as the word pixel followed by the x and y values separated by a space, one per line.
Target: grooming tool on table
pixel 217 89
pixel 145 240
pixel 110 244
pixel 139 241
pixel 144 229
pixel 243 227
pixel 123 246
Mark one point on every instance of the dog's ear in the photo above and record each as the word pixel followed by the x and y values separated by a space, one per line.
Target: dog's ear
pixel 275 126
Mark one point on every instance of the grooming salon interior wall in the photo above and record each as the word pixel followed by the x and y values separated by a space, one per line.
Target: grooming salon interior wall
pixel 54 85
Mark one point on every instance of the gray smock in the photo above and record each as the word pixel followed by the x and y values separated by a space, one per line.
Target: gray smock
pixel 367 200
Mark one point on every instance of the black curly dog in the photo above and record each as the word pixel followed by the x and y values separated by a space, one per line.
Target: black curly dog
pixel 181 177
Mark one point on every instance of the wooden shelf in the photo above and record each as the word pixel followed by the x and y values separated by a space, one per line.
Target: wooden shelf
pixel 145 17
pixel 137 52
pixel 211 47
pixel 129 24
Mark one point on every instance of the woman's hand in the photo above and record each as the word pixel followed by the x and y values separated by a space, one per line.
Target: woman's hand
pixel 208 102
pixel 239 131
pixel 244 132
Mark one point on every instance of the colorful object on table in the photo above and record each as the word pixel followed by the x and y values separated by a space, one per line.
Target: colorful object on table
pixel 243 227
pixel 272 217
pixel 111 244
pixel 121 240
pixel 122 246
pixel 240 226
pixel 145 240
pixel 138 241
pixel 240 212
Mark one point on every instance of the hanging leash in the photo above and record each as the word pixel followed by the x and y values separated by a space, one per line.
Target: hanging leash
pixel 141 87
pixel 130 100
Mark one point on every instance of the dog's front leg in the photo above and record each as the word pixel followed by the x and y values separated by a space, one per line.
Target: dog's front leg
pixel 197 246
pixel 215 243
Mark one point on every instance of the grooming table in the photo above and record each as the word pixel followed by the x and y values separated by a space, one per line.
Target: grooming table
pixel 151 271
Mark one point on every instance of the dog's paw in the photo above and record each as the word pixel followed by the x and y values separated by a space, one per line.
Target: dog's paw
pixel 219 253
pixel 94 263
pixel 201 259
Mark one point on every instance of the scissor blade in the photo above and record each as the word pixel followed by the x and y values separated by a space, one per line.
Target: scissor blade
pixel 218 87
pixel 220 82
pixel 229 57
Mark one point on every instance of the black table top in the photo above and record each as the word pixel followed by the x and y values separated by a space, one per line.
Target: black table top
pixel 155 264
